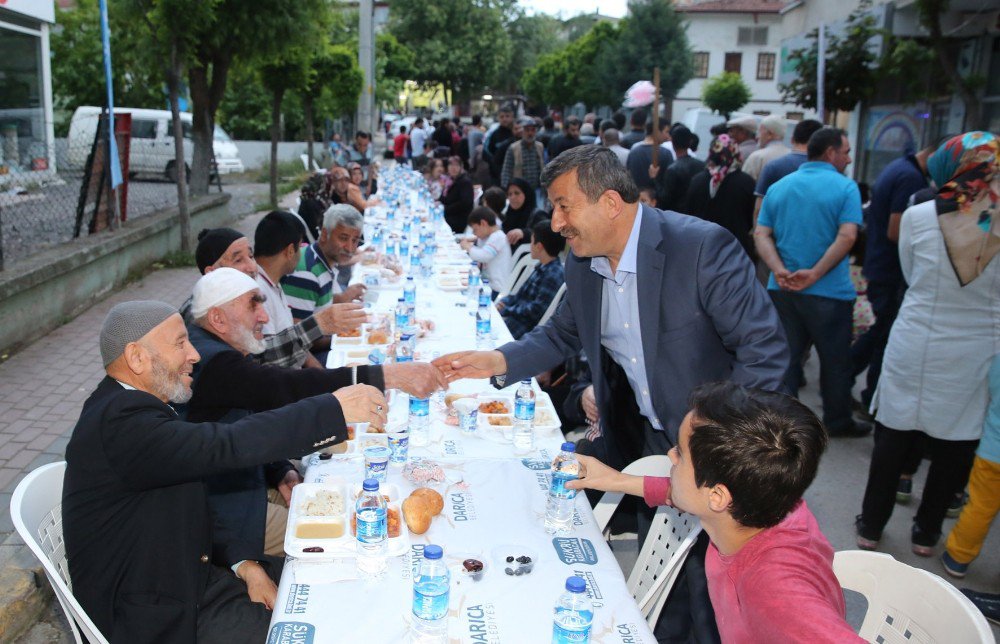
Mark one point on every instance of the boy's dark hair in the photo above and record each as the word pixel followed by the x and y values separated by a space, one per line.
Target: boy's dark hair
pixel 402 129
pixel 551 241
pixel 481 214
pixel 763 446
pixel 477 119
pixel 548 123
pixel 494 198
pixel 638 118
pixel 681 137
pixel 694 142
pixel 822 140
pixel 574 120
pixel 275 232
pixel 606 124
pixel 804 130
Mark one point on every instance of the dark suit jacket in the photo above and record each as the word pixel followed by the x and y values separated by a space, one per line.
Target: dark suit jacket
pixel 135 517
pixel 703 317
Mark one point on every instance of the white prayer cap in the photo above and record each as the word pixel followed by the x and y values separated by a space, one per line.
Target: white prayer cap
pixel 748 123
pixel 217 287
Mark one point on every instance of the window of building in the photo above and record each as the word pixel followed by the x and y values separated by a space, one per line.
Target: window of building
pixel 993 85
pixel 751 36
pixel 701 64
pixel 23 139
pixel 765 66
pixel 734 62
pixel 761 113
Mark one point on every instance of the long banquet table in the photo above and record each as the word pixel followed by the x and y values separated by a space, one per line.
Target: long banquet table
pixel 494 508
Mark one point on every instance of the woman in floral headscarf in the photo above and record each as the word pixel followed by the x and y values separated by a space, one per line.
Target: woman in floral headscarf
pixel 722 193
pixel 934 377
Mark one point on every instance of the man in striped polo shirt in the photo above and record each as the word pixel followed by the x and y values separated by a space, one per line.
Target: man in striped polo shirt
pixel 324 270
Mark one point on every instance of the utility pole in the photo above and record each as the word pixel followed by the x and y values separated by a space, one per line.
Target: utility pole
pixel 821 74
pixel 366 60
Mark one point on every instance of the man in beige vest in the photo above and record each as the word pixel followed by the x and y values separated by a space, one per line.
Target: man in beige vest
pixel 525 159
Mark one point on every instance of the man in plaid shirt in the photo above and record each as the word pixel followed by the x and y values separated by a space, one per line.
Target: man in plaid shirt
pixel 523 310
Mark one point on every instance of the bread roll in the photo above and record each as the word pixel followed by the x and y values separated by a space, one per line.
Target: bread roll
pixel 434 500
pixel 417 515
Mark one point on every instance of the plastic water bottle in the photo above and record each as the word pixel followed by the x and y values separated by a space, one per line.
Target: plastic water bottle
pixel 559 508
pixel 524 418
pixel 485 293
pixel 410 291
pixel 404 348
pixel 402 315
pixel 406 226
pixel 483 327
pixel 431 588
pixel 372 531
pixel 415 260
pixel 404 247
pixel 473 281
pixel 574 614
pixel 419 421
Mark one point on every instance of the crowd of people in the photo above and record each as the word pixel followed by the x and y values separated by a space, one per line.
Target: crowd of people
pixel 667 341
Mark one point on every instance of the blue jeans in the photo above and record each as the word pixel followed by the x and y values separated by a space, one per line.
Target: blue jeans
pixel 827 323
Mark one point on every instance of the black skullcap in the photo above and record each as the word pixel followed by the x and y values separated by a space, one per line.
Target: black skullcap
pixel 212 244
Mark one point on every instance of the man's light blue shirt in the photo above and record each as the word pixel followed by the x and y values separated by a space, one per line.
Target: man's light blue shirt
pixel 620 333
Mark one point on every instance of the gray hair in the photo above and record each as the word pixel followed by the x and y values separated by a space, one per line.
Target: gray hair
pixel 342 214
pixel 597 171
pixel 773 124
pixel 610 136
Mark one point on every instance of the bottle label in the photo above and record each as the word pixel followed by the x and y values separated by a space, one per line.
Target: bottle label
pixel 483 326
pixel 524 409
pixel 571 626
pixel 430 598
pixel 420 406
pixel 371 525
pixel 558 487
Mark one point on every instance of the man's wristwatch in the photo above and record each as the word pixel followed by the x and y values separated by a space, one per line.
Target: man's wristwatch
pixel 499 381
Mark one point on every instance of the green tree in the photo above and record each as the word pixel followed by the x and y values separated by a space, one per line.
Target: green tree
pixel 78 63
pixel 394 64
pixel 851 65
pixel 461 44
pixel 653 35
pixel 530 37
pixel 725 93
pixel 333 87
pixel 566 76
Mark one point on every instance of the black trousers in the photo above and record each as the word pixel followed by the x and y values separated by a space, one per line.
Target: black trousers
pixel 951 462
pixel 226 613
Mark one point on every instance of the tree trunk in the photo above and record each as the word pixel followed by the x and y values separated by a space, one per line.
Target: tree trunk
pixel 275 135
pixel 973 106
pixel 173 86
pixel 207 89
pixel 307 103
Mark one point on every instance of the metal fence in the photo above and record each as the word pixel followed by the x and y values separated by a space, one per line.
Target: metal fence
pixel 39 203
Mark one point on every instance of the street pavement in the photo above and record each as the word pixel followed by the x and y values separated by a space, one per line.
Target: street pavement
pixel 42 389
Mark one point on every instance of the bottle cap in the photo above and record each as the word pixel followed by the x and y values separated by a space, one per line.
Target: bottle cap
pixel 526 381
pixel 370 485
pixel 574 584
pixel 402 300
pixel 568 447
pixel 409 279
pixel 435 552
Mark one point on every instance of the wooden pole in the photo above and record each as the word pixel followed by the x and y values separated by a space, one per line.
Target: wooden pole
pixel 656 118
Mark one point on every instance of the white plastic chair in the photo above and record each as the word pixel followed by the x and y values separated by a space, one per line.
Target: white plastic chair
pixel 36 509
pixel 556 301
pixel 906 604
pixel 670 538
pixel 657 465
pixel 522 270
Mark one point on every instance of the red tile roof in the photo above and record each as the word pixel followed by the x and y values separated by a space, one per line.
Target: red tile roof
pixel 732 6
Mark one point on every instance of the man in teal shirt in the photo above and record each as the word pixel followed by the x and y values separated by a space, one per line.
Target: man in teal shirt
pixel 807 225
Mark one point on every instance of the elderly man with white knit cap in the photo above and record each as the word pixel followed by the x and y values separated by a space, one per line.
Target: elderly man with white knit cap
pixel 136 521
pixel 249 506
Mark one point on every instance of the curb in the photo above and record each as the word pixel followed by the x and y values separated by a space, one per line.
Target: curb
pixel 25 592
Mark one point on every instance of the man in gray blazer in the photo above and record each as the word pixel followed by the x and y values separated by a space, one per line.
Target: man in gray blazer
pixel 660 303
pixel 665 300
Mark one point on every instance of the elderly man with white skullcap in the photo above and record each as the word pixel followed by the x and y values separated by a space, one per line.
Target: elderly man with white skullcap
pixel 136 520
pixel 228 385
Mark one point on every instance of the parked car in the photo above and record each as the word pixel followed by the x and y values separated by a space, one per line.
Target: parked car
pixel 151 149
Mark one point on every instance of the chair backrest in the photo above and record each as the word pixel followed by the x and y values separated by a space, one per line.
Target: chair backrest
pixel 36 510
pixel 556 301
pixel 906 604
pixel 670 538
pixel 657 465
pixel 522 270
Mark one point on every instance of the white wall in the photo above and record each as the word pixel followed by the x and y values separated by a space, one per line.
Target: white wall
pixel 257 154
pixel 716 33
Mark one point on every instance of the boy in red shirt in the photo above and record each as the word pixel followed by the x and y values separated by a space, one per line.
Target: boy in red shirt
pixel 399 145
pixel 744 459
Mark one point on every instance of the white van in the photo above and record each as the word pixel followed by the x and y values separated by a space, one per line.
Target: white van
pixel 152 142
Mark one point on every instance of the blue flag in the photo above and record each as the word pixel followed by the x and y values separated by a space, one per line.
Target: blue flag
pixel 116 168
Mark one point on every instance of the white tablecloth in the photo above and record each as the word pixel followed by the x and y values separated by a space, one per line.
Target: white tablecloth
pixel 492 507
